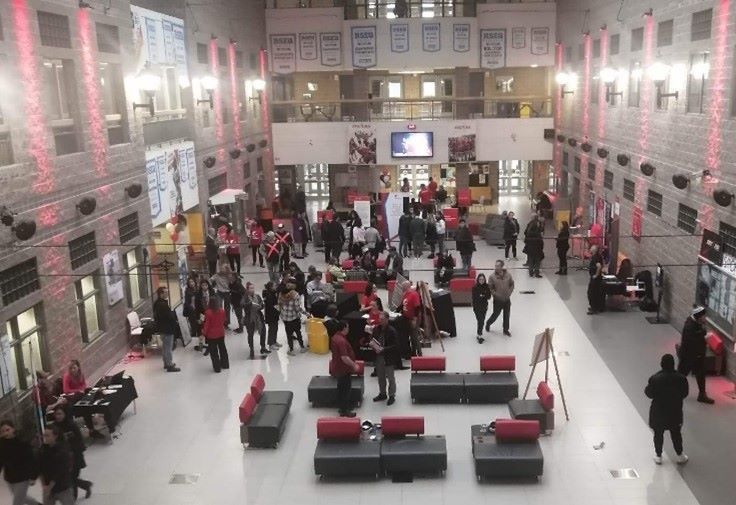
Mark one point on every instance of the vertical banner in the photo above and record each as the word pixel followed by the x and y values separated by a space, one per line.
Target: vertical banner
pixel 363 208
pixel 7 358
pixel 362 144
pixel 431 42
pixel 636 223
pixel 461 37
pixel 153 193
pixel 393 209
pixel 308 46
pixel 399 38
pixel 113 277
pixel 283 53
pixel 158 39
pixel 540 40
pixel 493 48
pixel 172 181
pixel 518 37
pixel 461 142
pixel 364 46
pixel 330 48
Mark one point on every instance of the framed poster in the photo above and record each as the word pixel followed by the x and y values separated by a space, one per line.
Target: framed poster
pixel 636 223
pixel 113 277
pixel 540 40
pixel 364 46
pixel 308 46
pixel 158 39
pixel 461 37
pixel 172 180
pixel 283 53
pixel 493 48
pixel 361 145
pixel 330 49
pixel 518 37
pixel 431 37
pixel 399 38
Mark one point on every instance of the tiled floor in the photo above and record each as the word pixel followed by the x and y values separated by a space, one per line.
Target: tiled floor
pixel 187 423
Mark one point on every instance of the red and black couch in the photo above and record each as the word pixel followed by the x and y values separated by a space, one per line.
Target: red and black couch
pixel 512 452
pixel 496 382
pixel 406 451
pixel 263 415
pixel 540 409
pixel 430 384
pixel 343 450
pixel 322 389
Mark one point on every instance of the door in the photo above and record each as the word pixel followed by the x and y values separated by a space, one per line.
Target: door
pixel 513 177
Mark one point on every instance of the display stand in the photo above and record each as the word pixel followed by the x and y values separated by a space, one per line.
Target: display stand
pixel 543 348
pixel 429 326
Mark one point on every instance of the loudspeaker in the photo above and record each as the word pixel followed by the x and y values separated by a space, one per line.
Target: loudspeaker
pixel 647 169
pixel 235 154
pixel 560 138
pixel 722 197
pixel 585 146
pixel 622 160
pixel 250 148
pixel 209 161
pixel 572 142
pixel 602 153
pixel 680 181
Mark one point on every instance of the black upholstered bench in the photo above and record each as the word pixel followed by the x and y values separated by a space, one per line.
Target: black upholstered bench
pixel 405 449
pixel 538 409
pixel 263 415
pixel 342 450
pixel 513 451
pixel 322 389
pixel 496 383
pixel 430 384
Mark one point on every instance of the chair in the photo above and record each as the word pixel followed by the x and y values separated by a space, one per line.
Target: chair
pixel 137 326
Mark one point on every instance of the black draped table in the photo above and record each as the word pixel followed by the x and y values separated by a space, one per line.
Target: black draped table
pixel 110 400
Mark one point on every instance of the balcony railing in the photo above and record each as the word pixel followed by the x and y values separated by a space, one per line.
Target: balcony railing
pixel 387 9
pixel 388 109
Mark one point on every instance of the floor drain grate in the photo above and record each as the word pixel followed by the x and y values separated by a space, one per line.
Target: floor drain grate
pixel 624 473
pixel 184 478
pixel 527 292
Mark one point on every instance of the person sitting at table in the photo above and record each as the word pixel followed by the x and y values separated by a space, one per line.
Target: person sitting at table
pixel 319 295
pixel 73 437
pixel 369 295
pixel 47 392
pixel 368 264
pixel 337 273
pixel 444 269
pixel 73 380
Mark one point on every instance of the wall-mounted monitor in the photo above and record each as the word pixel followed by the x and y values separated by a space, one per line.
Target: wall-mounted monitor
pixel 412 144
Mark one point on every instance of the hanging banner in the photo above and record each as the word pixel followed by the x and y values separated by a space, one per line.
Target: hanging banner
pixel 431 42
pixel 393 209
pixel 461 37
pixel 364 46
pixel 636 223
pixel 362 144
pixel 363 208
pixel 308 46
pixel 493 48
pixel 172 181
pixel 158 39
pixel 518 37
pixel 113 277
pixel 540 40
pixel 7 359
pixel 283 53
pixel 461 143
pixel 399 38
pixel 330 48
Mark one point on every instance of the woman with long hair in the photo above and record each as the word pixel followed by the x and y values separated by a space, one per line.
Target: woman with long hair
pixel 563 245
pixel 73 380
pixel 481 295
pixel 201 302
pixel 75 443
pixel 214 333
pixel 253 319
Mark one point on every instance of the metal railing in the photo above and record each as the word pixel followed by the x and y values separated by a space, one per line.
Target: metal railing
pixel 383 9
pixel 386 109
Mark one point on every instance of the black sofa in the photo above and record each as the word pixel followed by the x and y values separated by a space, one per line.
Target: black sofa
pixel 263 415
pixel 343 451
pixel 430 384
pixel 512 452
pixel 539 409
pixel 322 389
pixel 406 451
pixel 496 383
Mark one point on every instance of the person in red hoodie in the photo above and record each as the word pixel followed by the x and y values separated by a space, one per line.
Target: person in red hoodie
pixel 425 199
pixel 256 237
pixel 73 380
pixel 233 250
pixel 213 330
pixel 432 186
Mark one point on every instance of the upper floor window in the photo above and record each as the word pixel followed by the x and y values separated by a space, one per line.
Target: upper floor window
pixel 701 25
pixel 635 73
pixel 82 250
pixel 54 29
pixel 108 38
pixel 89 304
pixel 697 82
pixel 113 100
pixel 637 39
pixel 664 33
pixel 202 53
pixel 26 348
pixel 614 44
pixel 597 48
pixel 19 280
pixel 60 87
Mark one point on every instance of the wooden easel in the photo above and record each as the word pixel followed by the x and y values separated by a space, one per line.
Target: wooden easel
pixel 428 307
pixel 546 343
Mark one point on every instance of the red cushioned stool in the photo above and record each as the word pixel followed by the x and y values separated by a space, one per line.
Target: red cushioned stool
pixel 343 451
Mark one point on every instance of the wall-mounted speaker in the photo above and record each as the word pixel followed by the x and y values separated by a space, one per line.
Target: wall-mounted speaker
pixel 723 197
pixel 622 160
pixel 25 229
pixel 250 148
pixel 134 190
pixel 647 169
pixel 602 153
pixel 263 143
pixel 235 154
pixel 572 142
pixel 680 181
pixel 87 205
pixel 560 138
pixel 585 146
pixel 209 161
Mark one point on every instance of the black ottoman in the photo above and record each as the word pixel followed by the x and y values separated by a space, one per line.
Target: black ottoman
pixel 267 425
pixel 532 410
pixel 322 391
pixel 494 387
pixel 276 398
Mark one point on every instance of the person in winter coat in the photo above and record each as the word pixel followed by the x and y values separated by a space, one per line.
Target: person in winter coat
pixel 233 250
pixel 385 343
pixel 445 269
pixel 167 326
pixel 441 228
pixel 237 293
pixel 189 310
pixel 55 468
pixel 211 251
pixel 201 302
pixel 563 245
pixel 286 241
pixel 271 314
pixel 394 263
pixel 301 234
pixel 431 235
pixel 534 247
pixel 214 333
pixel 464 243
pixel 255 237
pixel 667 389
pixel 692 351
pixel 481 295
pixel 271 249
pixel 73 437
pixel 333 235
pixel 18 464
pixel 290 311
pixel 510 234
pixel 253 319
pixel 502 286
pixel 418 231
pixel 405 233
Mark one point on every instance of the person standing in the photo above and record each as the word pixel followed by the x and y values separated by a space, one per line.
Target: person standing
pixel 405 186
pixel 431 234
pixel 221 282
pixel 291 311
pixel 418 230
pixel 481 295
pixel 394 264
pixel 233 250
pixel 667 389
pixel 372 238
pixel 405 233
pixel 385 344
pixel 358 240
pixel 441 229
pixel 17 463
pixel 286 242
pixel 534 247
pixel 211 251
pixel 166 326
pixel 272 252
pixel 253 319
pixel 596 295
pixel 237 293
pixel 73 437
pixel 271 314
pixel 692 351
pixel 432 187
pixel 425 199
pixel 214 333
pixel 464 244
pixel 255 237
pixel 301 234
pixel 55 468
pixel 342 365
pixel 189 309
pixel 411 306
pixel 563 245
pixel 501 284
pixel 510 234
pixel 333 235
pixel 201 302
pixel 444 269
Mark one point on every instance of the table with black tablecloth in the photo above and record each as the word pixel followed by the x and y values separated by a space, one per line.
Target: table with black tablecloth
pixel 111 406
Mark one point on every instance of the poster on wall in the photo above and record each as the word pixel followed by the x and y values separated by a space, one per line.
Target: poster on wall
pixel 461 37
pixel 7 379
pixel 399 38
pixel 393 209
pixel 330 48
pixel 518 37
pixel 158 39
pixel 113 277
pixel 431 42
pixel 540 40
pixel 362 144
pixel 493 48
pixel 283 53
pixel 461 143
pixel 364 46
pixel 172 181
pixel 308 46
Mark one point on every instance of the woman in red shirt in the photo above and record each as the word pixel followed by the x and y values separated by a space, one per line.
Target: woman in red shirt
pixel 213 331
pixel 370 294
pixel 233 250
pixel 256 237
pixel 73 380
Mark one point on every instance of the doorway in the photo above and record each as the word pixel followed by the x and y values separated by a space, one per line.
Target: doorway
pixel 416 174
pixel 513 176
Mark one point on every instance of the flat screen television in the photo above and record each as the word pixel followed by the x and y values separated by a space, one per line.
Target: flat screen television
pixel 412 144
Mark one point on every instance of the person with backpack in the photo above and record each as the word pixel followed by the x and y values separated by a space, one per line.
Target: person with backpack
pixel 255 237
pixel 667 389
pixel 271 249
pixel 253 319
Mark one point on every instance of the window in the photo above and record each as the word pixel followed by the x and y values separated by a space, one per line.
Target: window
pixel 253 61
pixel 26 355
pixel 637 39
pixel 568 54
pixel 608 179
pixel 88 307
pixel 565 158
pixel 113 101
pixel 108 38
pixel 202 53
pixel 82 250
pixel 221 57
pixel 394 88
pixel 687 218
pixel 577 164
pixel 437 86
pixel 635 73
pixel 19 280
pixel 217 184
pixel 168 95
pixel 697 82
pixel 664 33
pixel 629 190
pixel 597 48
pixel 614 44
pixel 135 277
pixel 701 24
pixel 239 59
pixel 591 171
pixel 54 29
pixel 728 236
pixel 2 37
pixel 595 85
pixel 259 166
pixel 60 89
pixel 128 227
pixel 246 170
pixel 6 149
pixel 581 52
pixel 654 202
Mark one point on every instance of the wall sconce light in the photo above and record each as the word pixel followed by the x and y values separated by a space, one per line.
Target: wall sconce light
pixel 572 142
pixel 235 154
pixel 647 169
pixel 250 148
pixel 209 161
pixel 134 190
pixel 659 72
pixel 622 160
pixel 682 181
pixel 723 197
pixel 148 82
pixel 566 80
pixel 209 84
pixel 609 76
pixel 87 205
pixel 259 86
pixel 602 153
pixel 585 146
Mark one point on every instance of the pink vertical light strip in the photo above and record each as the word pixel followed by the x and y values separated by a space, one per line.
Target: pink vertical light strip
pixel 717 105
pixel 235 103
pixel 217 101
pixel 266 124
pixel 602 104
pixel 585 124
pixel 31 82
pixel 557 153
pixel 95 118
pixel 646 89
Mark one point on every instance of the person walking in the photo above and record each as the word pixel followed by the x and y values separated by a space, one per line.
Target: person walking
pixel 17 463
pixel 441 229
pixel 394 264
pixel 385 343
pixel 301 234
pixel 418 230
pixel 596 295
pixel 501 284
pixel 221 283
pixel 211 251
pixel 213 330
pixel 692 351
pixel 510 234
pixel 464 244
pixel 563 245
pixel 201 302
pixel 333 236
pixel 534 247
pixel 291 311
pixel 232 250
pixel 237 294
pixel 271 249
pixel 74 441
pixel 55 468
pixel 667 389
pixel 255 238
pixel 431 234
pixel 481 295
pixel 286 241
pixel 189 309
pixel 166 326
pixel 405 233
pixel 253 319
pixel 342 366
pixel 271 314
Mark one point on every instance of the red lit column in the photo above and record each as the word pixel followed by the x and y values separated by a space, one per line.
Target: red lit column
pixel 646 88
pixel 718 88
pixel 557 152
pixel 266 124
pixel 602 104
pixel 234 102
pixel 95 119
pixel 217 102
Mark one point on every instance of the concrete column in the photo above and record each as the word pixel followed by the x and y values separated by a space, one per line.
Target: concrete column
pixel 462 89
pixel 361 88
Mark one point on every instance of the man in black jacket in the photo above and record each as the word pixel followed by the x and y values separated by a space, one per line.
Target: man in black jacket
pixel 464 244
pixel 333 235
pixel 56 468
pixel 17 463
pixel 211 251
pixel 405 234
pixel 166 326
pixel 385 344
pixel 510 234
pixel 692 351
pixel 667 388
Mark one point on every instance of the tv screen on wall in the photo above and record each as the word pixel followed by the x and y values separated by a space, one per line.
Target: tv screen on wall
pixel 412 144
